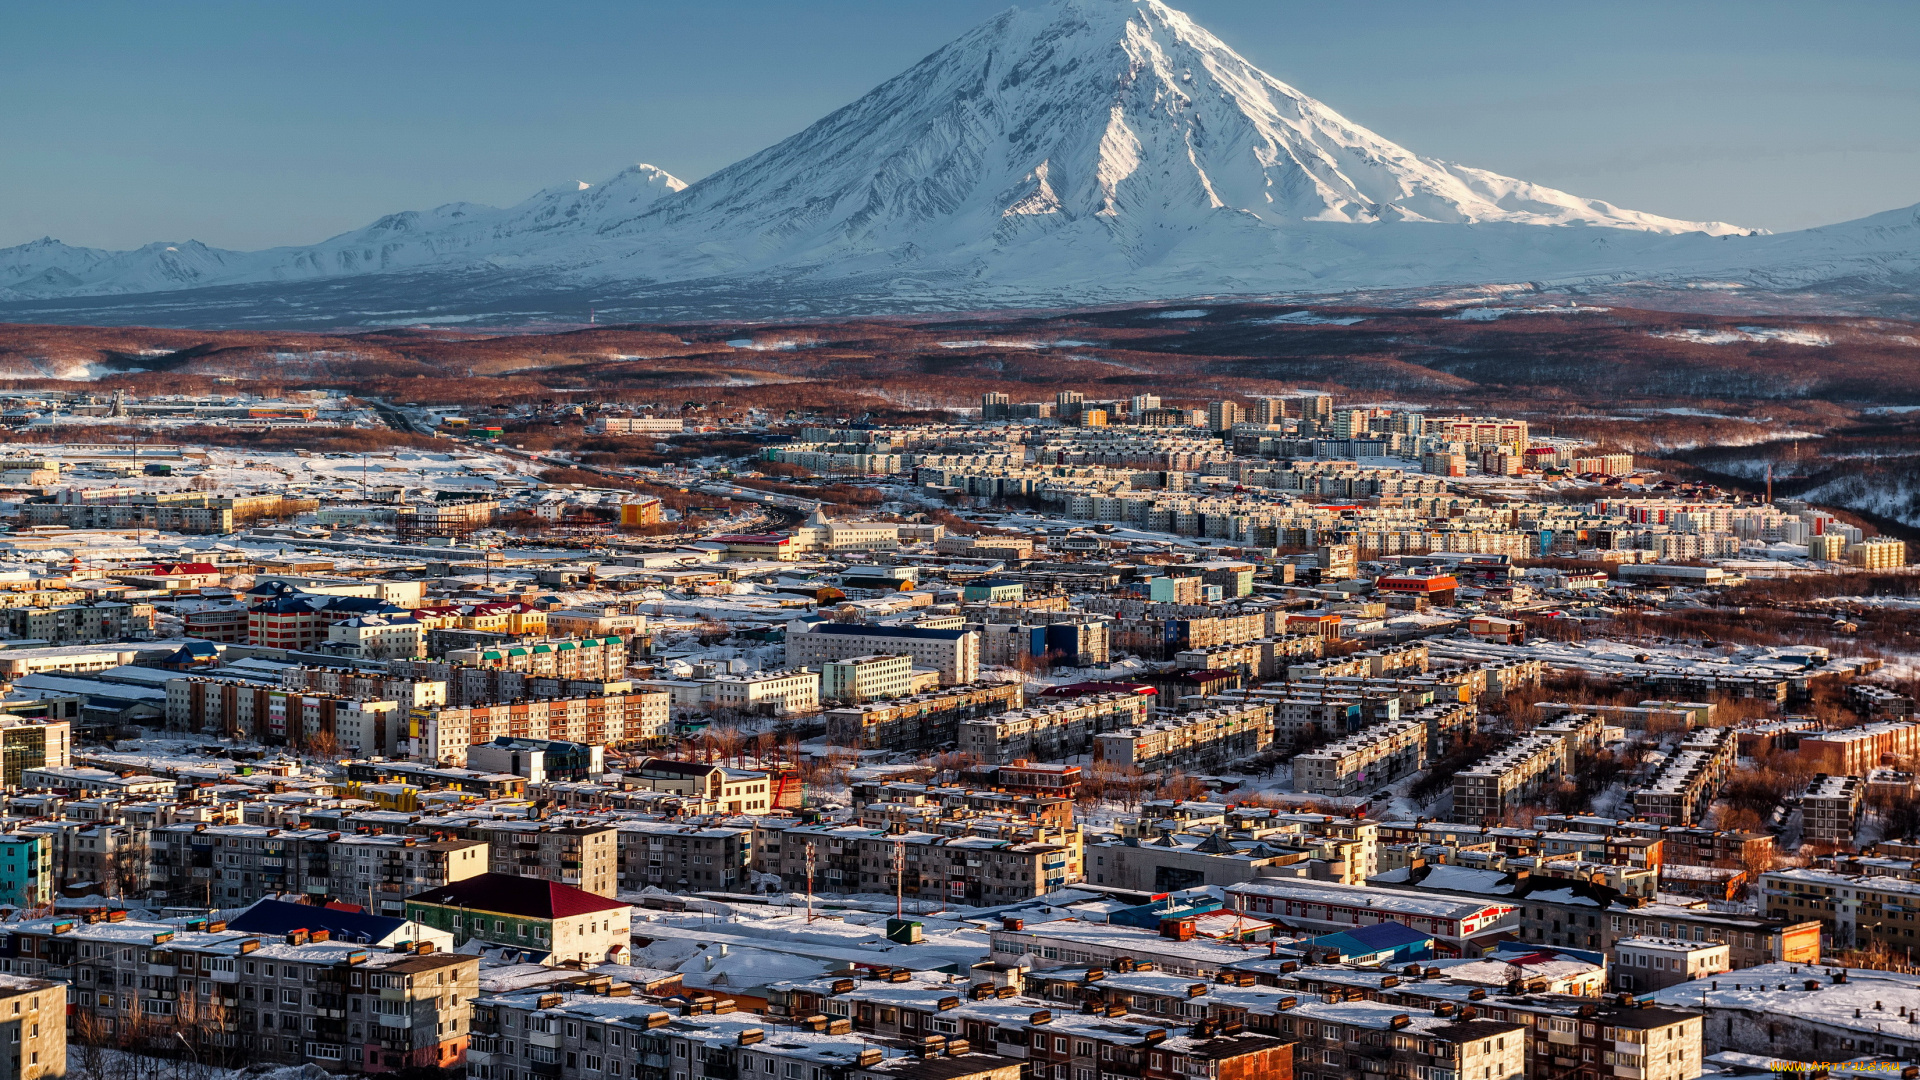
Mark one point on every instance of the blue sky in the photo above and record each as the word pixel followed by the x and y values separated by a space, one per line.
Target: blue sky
pixel 252 124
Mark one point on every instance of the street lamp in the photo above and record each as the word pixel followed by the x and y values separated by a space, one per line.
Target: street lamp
pixel 190 1049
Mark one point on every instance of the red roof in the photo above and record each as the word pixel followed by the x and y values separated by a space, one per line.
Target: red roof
pixel 1413 583
pixel 529 898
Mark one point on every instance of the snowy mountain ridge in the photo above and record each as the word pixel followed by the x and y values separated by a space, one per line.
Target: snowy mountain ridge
pixel 1076 151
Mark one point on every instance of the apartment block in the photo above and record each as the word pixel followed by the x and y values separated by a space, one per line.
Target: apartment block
pixel 921 722
pixel 322 722
pixel 637 717
pixel 765 693
pixel 860 679
pixel 26 869
pixel 211 866
pixel 1050 730
pixel 683 858
pixel 33 744
pixel 302 1000
pixel 585 857
pixel 978 870
pixel 1508 778
pixel 1830 810
pixel 1365 760
pixel 1201 741
pixel 1653 963
pixel 31 1020
pixel 75 624
pixel 1878 553
pixel 362 685
pixel 380 872
pixel 1556 911
pixel 1856 751
pixel 1687 782
pixel 560 658
pixel 954 653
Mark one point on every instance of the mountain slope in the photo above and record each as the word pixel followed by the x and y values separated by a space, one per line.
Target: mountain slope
pixel 453 235
pixel 1078 151
pixel 1114 120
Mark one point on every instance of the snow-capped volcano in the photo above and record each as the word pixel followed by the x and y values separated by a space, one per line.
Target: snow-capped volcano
pixel 1074 151
pixel 1122 112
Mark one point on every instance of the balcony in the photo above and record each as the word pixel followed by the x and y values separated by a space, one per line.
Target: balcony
pixel 544 1068
pixel 403 1020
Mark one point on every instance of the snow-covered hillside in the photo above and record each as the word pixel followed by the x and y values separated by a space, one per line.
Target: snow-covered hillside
pixel 1075 151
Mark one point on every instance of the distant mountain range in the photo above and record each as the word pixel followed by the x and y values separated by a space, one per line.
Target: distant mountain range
pixel 1078 152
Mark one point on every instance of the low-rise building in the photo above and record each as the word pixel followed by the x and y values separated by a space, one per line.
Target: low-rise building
pixel 734 791
pixel 1652 963
pixel 1803 1012
pixel 546 921
pixel 1323 906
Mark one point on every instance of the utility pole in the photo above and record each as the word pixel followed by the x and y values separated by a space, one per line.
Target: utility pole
pixel 899 879
pixel 809 881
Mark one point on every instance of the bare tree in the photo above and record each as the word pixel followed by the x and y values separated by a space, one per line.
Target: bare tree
pixel 726 741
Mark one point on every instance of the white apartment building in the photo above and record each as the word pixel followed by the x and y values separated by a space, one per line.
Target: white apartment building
pixel 860 679
pixel 775 692
pixel 1654 963
pixel 955 654
pixel 380 637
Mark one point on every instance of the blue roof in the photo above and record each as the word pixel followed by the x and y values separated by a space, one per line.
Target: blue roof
pixel 277 917
pixel 1377 937
pixel 888 631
